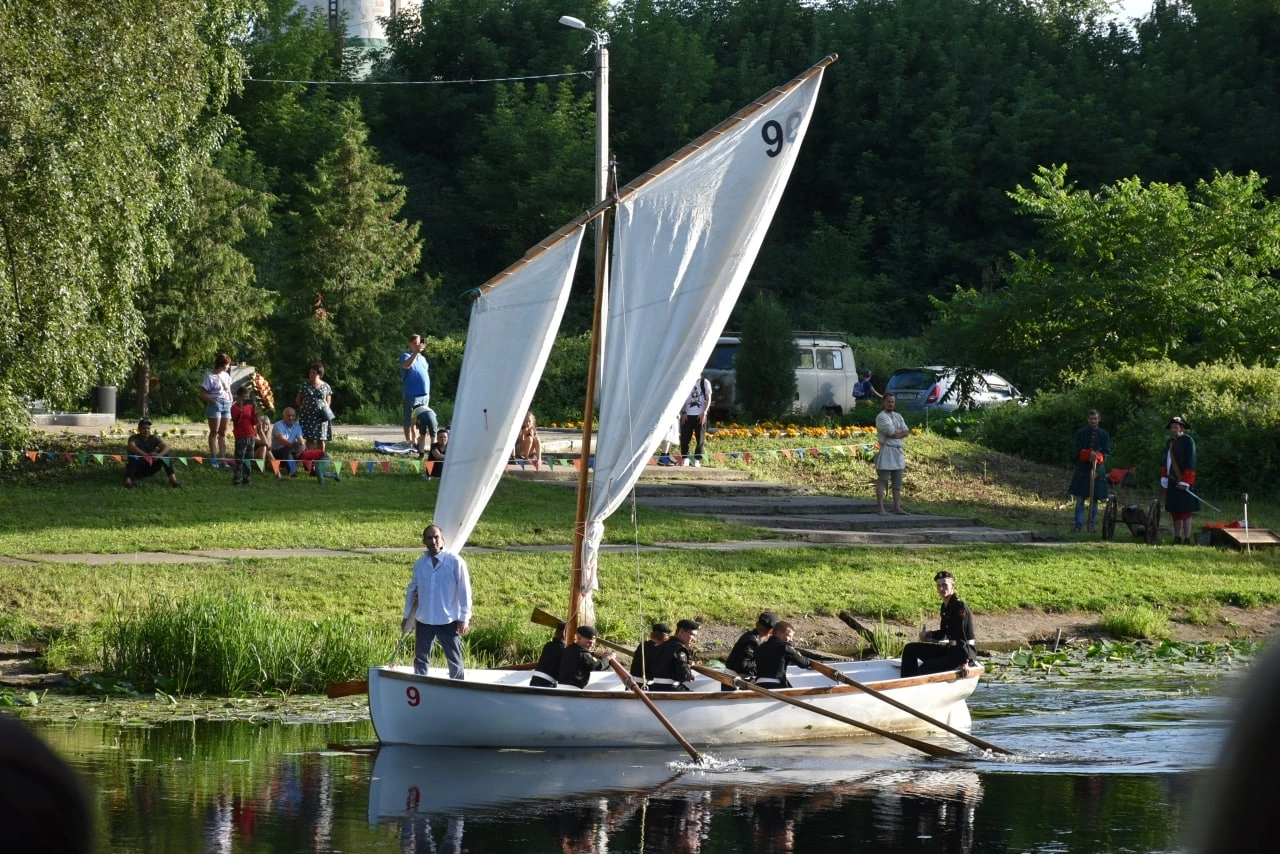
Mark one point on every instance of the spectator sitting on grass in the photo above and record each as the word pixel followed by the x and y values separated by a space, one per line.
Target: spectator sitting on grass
pixel 148 454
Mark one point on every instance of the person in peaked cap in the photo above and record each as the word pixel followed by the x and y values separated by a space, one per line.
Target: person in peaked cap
pixel 644 660
pixel 951 646
pixel 675 665
pixel 1177 476
pixel 579 661
pixel 742 658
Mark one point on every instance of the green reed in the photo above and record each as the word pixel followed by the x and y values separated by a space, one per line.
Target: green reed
pixel 233 644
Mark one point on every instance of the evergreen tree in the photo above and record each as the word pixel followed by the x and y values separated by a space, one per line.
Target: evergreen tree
pixel 765 366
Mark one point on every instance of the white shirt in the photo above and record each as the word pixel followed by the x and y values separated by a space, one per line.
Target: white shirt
pixel 699 398
pixel 442 589
pixel 891 454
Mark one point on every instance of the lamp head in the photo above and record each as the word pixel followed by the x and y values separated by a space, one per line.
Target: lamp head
pixel 570 21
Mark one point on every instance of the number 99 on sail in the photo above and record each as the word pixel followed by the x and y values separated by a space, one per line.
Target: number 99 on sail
pixel 774 135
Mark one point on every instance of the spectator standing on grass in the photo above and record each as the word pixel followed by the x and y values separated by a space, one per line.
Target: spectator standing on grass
pixel 1177 476
pixel 287 443
pixel 148 454
pixel 1089 480
pixel 315 406
pixel 693 421
pixel 951 646
pixel 415 384
pixel 865 389
pixel 244 425
pixel 215 391
pixel 891 460
pixel 437 604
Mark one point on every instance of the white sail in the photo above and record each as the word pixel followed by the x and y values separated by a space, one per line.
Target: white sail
pixel 513 325
pixel 684 240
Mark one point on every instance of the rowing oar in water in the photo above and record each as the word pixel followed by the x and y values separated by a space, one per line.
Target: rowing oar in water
pixel 922 746
pixel 543 618
pixel 334 690
pixel 838 676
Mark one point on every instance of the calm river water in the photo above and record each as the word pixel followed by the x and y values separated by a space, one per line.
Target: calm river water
pixel 1105 766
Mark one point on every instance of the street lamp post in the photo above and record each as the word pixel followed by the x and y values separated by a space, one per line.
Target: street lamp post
pixel 601 42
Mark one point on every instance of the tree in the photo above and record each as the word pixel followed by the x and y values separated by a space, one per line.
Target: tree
pixel 1131 273
pixel 208 300
pixel 348 251
pixel 765 366
pixel 105 111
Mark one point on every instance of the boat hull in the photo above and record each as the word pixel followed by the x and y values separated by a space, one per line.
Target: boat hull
pixel 498 708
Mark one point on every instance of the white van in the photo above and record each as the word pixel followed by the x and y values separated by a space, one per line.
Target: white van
pixel 825 376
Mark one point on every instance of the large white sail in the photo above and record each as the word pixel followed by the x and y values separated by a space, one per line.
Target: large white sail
pixel 685 237
pixel 513 325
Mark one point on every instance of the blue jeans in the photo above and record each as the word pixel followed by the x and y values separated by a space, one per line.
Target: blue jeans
pixel 1093 517
pixel 424 639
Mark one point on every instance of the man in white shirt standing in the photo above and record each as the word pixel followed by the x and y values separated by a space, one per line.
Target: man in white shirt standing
pixel 892 459
pixel 437 604
pixel 693 420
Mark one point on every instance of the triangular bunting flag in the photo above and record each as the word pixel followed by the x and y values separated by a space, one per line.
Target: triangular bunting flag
pixel 368 466
pixel 786 452
pixel 117 458
pixel 354 465
pixel 31 455
pixel 386 467
pixel 81 458
pixel 182 460
pixel 98 457
pixel 199 460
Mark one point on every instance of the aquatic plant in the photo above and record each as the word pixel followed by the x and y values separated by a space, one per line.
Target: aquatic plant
pixel 232 645
pixel 1136 621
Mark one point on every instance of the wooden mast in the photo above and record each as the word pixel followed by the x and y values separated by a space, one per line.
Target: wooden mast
pixel 605 236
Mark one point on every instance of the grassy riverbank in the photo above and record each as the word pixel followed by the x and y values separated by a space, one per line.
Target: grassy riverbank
pixel 82 509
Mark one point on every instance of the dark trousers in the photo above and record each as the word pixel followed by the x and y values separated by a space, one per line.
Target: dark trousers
pixel 244 459
pixel 285 456
pixel 690 428
pixel 425 637
pixel 921 658
pixel 139 467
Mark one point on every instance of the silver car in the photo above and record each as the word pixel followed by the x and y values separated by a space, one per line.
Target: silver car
pixel 934 388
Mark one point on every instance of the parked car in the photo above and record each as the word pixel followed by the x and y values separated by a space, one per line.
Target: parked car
pixel 825 376
pixel 934 387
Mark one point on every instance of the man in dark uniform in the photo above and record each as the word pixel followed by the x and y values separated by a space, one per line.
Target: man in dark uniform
pixel 578 661
pixel 742 658
pixel 1089 480
pixel 674 669
pixel 547 670
pixel 774 656
pixel 1177 476
pixel 950 647
pixel 644 662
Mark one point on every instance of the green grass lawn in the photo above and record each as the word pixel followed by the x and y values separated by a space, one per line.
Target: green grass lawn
pixel 70 508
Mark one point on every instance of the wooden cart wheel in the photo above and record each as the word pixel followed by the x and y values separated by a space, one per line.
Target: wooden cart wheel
pixel 1109 518
pixel 1153 522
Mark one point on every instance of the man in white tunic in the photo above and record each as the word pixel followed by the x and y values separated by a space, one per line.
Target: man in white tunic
pixel 891 460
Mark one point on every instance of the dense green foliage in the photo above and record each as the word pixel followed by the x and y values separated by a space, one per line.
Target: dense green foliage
pixel 1128 274
pixel 765 362
pixel 341 218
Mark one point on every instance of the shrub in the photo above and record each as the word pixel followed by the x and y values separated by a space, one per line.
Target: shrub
pixel 766 361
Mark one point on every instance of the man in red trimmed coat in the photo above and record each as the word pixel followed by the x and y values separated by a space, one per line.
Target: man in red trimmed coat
pixel 1177 476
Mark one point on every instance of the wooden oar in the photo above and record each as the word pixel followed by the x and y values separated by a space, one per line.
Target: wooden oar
pixel 923 746
pixel 543 618
pixel 359 686
pixel 657 713
pixel 832 673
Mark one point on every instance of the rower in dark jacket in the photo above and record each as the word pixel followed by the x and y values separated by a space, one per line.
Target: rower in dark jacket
pixel 578 661
pixel 742 658
pixel 547 670
pixel 675 666
pixel 951 646
pixel 774 656
pixel 644 662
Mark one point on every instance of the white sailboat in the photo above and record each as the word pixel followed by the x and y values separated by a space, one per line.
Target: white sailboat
pixel 684 237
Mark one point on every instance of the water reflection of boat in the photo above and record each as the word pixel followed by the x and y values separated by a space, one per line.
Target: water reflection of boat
pixel 586 796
